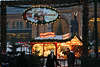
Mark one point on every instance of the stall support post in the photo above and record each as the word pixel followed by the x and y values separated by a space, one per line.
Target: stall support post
pixel 95 28
pixel 30 48
pixel 56 50
pixel 84 62
pixel 43 54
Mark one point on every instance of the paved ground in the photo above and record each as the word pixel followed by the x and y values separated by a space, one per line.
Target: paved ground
pixel 64 63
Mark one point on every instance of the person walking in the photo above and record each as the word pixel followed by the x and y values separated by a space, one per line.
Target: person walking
pixel 52 60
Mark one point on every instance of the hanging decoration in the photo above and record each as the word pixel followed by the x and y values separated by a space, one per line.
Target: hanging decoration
pixel 40 14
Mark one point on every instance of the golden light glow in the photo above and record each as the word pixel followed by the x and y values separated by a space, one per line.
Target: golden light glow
pixel 92 20
pixel 46 50
pixel 76 41
pixel 68 43
pixel 45 47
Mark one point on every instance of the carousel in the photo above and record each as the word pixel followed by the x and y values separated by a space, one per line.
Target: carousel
pixel 49 41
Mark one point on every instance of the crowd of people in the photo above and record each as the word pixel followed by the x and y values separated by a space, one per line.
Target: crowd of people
pixel 10 60
pixel 52 60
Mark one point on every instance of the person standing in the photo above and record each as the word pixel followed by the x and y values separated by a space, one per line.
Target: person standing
pixel 52 60
pixel 12 61
pixel 4 60
pixel 70 57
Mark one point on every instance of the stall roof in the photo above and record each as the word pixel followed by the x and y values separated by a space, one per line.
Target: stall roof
pixel 58 37
pixel 75 40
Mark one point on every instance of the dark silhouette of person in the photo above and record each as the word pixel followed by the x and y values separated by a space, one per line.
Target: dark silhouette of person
pixel 70 57
pixel 12 61
pixel 4 60
pixel 22 60
pixel 51 60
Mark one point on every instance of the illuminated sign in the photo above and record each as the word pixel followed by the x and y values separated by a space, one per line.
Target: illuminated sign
pixel 40 15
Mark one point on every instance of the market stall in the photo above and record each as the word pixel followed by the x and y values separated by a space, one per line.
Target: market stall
pixel 44 45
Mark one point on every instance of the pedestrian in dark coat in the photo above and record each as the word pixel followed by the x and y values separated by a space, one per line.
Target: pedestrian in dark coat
pixel 12 61
pixel 4 60
pixel 70 58
pixel 22 60
pixel 52 60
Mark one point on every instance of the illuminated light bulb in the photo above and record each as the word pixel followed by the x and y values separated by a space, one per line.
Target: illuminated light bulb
pixel 55 9
pixel 47 23
pixel 31 23
pixel 39 6
pixel 26 20
pixel 59 16
pixel 41 24
pixel 22 16
pixel 50 7
pixel 36 24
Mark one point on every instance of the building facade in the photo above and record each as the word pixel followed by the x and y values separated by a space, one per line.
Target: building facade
pixel 20 30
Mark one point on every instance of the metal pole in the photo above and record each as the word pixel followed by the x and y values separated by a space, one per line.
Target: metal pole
pixel 85 34
pixel 37 29
pixel 95 28
pixel 44 28
pixel 3 26
pixel 85 28
pixel 43 54
pixel 52 27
